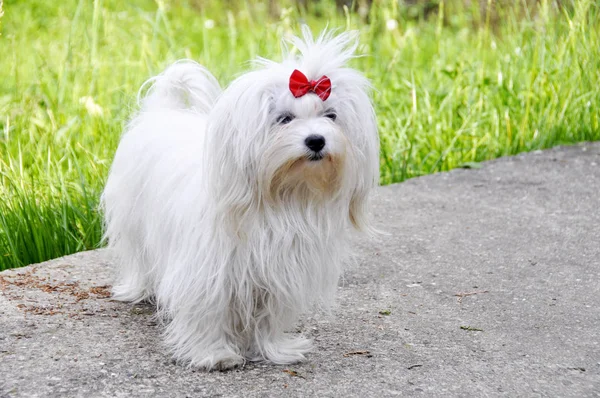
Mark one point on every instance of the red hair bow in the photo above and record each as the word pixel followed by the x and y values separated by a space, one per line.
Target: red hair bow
pixel 300 85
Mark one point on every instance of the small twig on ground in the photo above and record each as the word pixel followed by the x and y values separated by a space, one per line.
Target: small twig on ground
pixel 466 294
pixel 577 368
pixel 353 353
pixel 471 329
pixel 293 373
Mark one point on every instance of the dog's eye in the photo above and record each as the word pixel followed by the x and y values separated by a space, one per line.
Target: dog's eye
pixel 331 115
pixel 285 118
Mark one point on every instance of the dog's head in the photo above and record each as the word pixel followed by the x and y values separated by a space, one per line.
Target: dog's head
pixel 300 130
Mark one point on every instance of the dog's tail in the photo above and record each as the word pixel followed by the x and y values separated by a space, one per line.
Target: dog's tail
pixel 183 85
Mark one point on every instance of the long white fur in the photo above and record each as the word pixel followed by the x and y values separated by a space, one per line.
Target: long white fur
pixel 214 211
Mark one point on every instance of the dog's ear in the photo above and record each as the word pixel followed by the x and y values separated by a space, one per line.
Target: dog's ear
pixel 360 126
pixel 237 127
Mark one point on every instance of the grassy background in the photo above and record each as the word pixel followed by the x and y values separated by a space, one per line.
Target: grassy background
pixel 462 86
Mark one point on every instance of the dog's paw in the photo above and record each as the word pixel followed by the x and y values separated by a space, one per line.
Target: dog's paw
pixel 287 351
pixel 221 361
pixel 228 363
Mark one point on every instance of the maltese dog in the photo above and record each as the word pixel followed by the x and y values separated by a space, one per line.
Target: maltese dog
pixel 231 209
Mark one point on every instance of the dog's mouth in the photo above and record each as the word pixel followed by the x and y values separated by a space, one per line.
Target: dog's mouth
pixel 315 157
pixel 317 174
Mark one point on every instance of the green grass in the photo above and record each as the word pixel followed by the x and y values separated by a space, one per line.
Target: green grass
pixel 462 86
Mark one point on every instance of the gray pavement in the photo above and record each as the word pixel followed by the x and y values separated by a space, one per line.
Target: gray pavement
pixel 486 283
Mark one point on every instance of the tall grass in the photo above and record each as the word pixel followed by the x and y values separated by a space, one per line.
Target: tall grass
pixel 462 86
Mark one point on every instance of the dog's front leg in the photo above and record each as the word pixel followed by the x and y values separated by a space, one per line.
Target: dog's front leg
pixel 206 341
pixel 270 341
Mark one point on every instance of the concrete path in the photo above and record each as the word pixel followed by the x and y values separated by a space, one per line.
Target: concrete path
pixel 487 284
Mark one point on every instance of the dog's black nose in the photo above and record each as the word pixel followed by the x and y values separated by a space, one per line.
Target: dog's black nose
pixel 315 142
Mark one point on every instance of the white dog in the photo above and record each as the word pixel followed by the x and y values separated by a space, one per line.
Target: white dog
pixel 232 209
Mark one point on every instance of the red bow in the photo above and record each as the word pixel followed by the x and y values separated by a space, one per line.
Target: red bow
pixel 300 85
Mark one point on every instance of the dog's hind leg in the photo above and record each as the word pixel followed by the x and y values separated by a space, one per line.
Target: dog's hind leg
pixel 133 282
